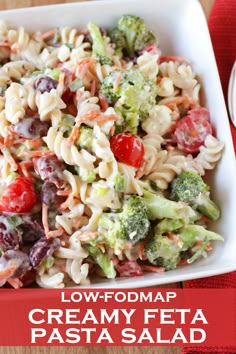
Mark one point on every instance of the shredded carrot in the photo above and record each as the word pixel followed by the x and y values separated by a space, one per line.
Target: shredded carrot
pixel 158 79
pixel 73 136
pixel 36 153
pixel 8 272
pixel 173 58
pixel 95 116
pixel 87 235
pixel 78 96
pixel 8 140
pixel 175 239
pixel 45 218
pixel 179 100
pixel 8 157
pixel 48 34
pixel 66 203
pixel 23 168
pixel 103 102
pixel 101 247
pixel 84 66
pixel 112 130
pixel 208 247
pixel 148 268
pixel 183 262
pixel 93 88
pixel 204 218
pixel 15 283
pixel 55 233
pixel 141 251
pixel 34 143
pixel 64 193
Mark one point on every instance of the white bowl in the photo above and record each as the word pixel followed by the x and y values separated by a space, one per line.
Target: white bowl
pixel 182 30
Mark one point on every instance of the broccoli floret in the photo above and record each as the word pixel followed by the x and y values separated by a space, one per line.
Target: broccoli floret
pixel 190 188
pixel 98 47
pixel 133 97
pixel 163 252
pixel 135 32
pixel 102 259
pixel 159 207
pixel 85 139
pixel 135 219
pixel 117 37
pixel 111 230
pixel 190 234
pixel 129 225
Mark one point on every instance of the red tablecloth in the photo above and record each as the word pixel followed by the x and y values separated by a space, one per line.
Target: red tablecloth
pixel 222 27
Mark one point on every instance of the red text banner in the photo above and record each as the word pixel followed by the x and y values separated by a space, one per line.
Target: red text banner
pixel 103 317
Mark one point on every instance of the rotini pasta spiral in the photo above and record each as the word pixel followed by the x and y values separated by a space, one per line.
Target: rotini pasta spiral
pixel 49 106
pixel 180 73
pixel 168 165
pixel 147 64
pixel 207 158
pixel 18 98
pixel 67 152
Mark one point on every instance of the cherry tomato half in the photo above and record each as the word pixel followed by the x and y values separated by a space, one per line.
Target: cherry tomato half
pixel 128 149
pixel 18 197
pixel 192 130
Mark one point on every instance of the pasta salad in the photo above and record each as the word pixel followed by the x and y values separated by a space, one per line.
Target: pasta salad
pixel 104 145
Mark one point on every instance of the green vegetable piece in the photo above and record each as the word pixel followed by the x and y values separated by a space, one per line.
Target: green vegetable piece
pixel 11 177
pixel 136 34
pixel 160 207
pixel 66 124
pixel 102 260
pixel 111 230
pixel 100 191
pixel 130 225
pixel 86 136
pixel 55 73
pixel 163 252
pixel 190 234
pixel 75 84
pixel 98 47
pixel 85 175
pixel 117 37
pixel 133 98
pixel 119 183
pixel 190 188
pixel 15 221
pixel 134 219
pixel 168 225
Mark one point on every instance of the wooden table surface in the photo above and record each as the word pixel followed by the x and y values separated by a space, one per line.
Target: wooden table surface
pixel 12 4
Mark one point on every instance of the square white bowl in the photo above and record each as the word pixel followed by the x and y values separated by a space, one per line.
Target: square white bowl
pixel 182 30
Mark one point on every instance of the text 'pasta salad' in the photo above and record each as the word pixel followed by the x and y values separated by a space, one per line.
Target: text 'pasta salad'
pixel 103 146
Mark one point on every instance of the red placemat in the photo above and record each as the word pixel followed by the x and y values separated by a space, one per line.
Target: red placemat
pixel 222 27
